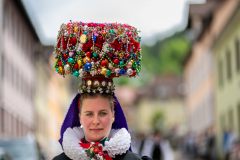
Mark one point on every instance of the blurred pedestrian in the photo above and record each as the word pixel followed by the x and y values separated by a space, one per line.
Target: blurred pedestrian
pixel 229 138
pixel 157 151
pixel 235 152
pixel 158 147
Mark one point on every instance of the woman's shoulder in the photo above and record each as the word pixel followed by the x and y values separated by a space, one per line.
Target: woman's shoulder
pixel 61 156
pixel 132 156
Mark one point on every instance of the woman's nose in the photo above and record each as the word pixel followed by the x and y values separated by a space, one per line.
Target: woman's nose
pixel 96 119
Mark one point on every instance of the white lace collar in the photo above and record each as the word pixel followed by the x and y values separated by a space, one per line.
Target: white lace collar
pixel 118 144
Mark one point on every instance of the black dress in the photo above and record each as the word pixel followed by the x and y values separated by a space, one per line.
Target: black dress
pixel 127 156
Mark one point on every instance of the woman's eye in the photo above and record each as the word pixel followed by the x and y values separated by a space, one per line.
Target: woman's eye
pixel 103 113
pixel 89 114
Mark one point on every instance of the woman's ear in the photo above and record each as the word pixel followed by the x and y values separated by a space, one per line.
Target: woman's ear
pixel 113 119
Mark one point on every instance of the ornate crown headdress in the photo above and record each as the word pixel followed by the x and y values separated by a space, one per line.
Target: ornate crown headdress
pixel 98 52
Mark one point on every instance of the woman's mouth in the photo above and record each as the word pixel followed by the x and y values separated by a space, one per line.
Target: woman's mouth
pixel 96 130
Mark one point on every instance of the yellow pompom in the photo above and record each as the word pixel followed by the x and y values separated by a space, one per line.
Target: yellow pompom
pixel 75 29
pixel 60 70
pixel 86 59
pixel 79 63
pixel 103 71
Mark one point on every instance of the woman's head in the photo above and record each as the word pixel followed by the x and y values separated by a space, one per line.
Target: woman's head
pixel 96 114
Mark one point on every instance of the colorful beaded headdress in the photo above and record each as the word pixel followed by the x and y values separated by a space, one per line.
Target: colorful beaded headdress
pixel 98 52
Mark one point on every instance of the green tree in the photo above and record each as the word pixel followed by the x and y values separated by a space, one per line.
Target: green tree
pixel 157 121
pixel 166 56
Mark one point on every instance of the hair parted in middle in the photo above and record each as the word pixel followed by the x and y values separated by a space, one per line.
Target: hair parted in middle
pixel 96 95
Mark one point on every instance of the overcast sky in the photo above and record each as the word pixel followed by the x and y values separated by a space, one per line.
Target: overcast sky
pixel 153 17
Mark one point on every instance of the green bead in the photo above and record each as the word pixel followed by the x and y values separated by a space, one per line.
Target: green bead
pixel 108 73
pixel 120 36
pixel 134 65
pixel 70 60
pixel 121 63
pixel 76 73
pixel 95 55
pixel 56 69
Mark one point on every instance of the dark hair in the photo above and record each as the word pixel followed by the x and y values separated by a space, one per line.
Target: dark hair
pixel 96 95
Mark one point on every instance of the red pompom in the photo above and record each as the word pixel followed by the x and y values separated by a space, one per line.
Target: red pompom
pixel 127 55
pixel 65 57
pixel 87 46
pixel 59 42
pixel 116 45
pixel 89 54
pixel 129 47
pixel 134 73
pixel 116 61
pixel 110 55
pixel 103 63
pixel 64 43
pixel 75 66
pixel 73 41
pixel 99 42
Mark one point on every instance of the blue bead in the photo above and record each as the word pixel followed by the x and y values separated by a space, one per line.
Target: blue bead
pixel 94 38
pixel 88 66
pixel 122 71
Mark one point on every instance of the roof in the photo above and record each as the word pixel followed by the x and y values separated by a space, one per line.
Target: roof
pixel 205 12
pixel 23 12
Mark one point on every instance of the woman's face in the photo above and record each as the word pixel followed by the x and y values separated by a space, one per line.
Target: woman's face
pixel 96 118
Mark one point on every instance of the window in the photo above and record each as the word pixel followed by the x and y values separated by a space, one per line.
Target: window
pixel 228 65
pixel 5 14
pixel 1 119
pixel 220 73
pixel 238 116
pixel 3 66
pixel 237 55
pixel 223 124
pixel 230 119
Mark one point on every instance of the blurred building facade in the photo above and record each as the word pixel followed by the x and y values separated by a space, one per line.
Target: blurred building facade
pixel 51 100
pixel 210 70
pixel 163 94
pixel 226 50
pixel 198 68
pixel 127 97
pixel 18 39
pixel 33 97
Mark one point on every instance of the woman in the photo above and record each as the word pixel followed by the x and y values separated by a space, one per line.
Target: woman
pixel 95 127
pixel 96 115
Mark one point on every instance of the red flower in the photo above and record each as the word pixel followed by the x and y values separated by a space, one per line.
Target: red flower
pixel 95 150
